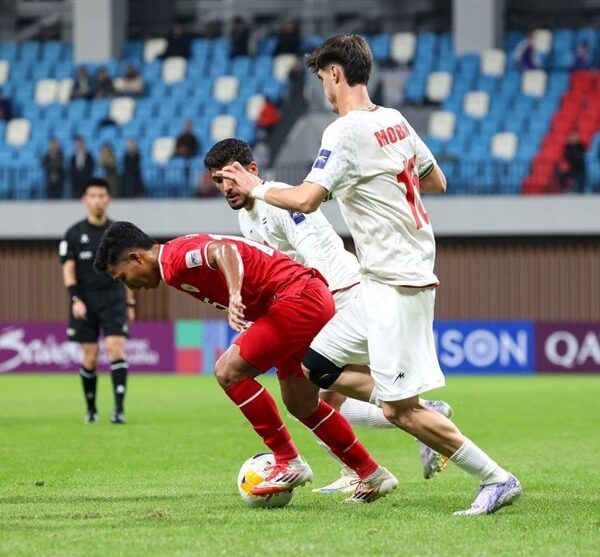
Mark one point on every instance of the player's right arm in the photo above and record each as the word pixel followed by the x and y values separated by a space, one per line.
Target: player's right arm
pixel 336 165
pixel 226 257
pixel 67 256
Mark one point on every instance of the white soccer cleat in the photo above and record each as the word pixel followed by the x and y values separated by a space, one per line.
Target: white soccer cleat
pixel 346 483
pixel 433 462
pixel 91 418
pixel 377 485
pixel 284 477
pixel 492 497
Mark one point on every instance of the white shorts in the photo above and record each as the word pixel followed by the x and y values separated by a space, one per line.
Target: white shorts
pixel 389 328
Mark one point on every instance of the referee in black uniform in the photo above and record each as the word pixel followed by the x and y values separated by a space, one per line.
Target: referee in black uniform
pixel 96 301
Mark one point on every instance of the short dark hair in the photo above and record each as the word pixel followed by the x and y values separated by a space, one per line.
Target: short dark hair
pixel 351 52
pixel 119 236
pixel 228 150
pixel 96 182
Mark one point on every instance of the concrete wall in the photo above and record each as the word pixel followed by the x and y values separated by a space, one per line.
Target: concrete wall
pixel 551 215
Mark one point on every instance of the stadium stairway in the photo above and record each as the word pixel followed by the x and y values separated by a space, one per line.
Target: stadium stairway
pixel 579 110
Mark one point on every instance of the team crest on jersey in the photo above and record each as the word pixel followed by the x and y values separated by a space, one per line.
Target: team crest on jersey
pixel 84 239
pixel 189 288
pixel 297 217
pixel 193 258
pixel 322 158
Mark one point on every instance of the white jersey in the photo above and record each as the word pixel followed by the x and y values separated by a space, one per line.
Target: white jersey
pixel 309 239
pixel 370 161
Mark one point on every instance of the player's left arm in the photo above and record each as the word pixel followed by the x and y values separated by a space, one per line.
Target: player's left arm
pixel 431 176
pixel 434 181
pixel 226 257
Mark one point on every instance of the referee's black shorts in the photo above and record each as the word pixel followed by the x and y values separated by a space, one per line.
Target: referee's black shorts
pixel 106 310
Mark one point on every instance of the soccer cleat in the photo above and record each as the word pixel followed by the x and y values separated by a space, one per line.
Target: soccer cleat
pixel 118 418
pixel 492 497
pixel 91 418
pixel 433 462
pixel 284 477
pixel 377 485
pixel 346 483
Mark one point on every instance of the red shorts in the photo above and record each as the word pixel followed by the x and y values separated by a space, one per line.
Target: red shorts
pixel 281 337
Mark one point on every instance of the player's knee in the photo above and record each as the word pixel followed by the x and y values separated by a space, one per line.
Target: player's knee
pixel 227 372
pixel 321 371
pixel 300 408
pixel 400 416
pixel 115 348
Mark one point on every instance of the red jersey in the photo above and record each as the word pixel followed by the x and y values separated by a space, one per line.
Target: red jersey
pixel 268 273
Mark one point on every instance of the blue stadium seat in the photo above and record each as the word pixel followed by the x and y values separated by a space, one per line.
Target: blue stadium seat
pixel 28 50
pixel 133 50
pixel 309 43
pixel 8 51
pixel 241 66
pixel 380 47
pixel 200 49
pixel 267 46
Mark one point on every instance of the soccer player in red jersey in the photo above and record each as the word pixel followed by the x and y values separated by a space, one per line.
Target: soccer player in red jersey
pixel 278 306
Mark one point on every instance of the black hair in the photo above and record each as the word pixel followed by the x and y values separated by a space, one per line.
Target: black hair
pixel 96 182
pixel 226 151
pixel 119 236
pixel 351 52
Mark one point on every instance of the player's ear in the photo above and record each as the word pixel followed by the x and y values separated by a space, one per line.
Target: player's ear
pixel 253 168
pixel 134 257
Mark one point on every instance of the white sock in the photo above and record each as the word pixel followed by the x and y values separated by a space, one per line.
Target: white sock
pixel 475 462
pixel 364 414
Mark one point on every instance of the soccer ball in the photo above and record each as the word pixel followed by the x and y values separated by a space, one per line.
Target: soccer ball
pixel 252 473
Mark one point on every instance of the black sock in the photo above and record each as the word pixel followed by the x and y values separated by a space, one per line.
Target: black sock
pixel 118 372
pixel 89 380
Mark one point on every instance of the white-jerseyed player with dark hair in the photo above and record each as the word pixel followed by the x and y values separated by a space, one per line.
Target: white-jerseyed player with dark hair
pixel 311 240
pixel 374 164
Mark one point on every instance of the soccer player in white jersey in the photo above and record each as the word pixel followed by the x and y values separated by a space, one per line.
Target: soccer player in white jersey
pixel 310 239
pixel 374 164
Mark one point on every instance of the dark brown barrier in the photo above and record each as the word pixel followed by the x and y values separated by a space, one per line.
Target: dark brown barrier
pixel 482 278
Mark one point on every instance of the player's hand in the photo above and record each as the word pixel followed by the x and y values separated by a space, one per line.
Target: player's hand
pixel 245 180
pixel 236 313
pixel 79 310
pixel 130 314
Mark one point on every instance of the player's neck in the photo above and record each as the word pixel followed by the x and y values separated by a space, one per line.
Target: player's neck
pixel 354 98
pixel 97 220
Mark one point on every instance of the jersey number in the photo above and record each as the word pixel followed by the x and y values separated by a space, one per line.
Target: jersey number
pixel 413 193
pixel 261 247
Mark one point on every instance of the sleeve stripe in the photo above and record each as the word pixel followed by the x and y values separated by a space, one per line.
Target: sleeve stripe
pixel 426 172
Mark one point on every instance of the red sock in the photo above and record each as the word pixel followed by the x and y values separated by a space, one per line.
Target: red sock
pixel 260 410
pixel 335 431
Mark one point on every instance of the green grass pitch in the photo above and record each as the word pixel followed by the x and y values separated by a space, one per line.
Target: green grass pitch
pixel 165 484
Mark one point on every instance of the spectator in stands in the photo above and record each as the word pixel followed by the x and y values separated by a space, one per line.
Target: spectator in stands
pixel 239 35
pixel 178 43
pixel 108 163
pixel 525 54
pixel 53 163
pixel 583 57
pixel 131 84
pixel 288 39
pixel 82 167
pixel 131 180
pixel 187 145
pixel 572 178
pixel 5 107
pixel 82 85
pixel 104 85
pixel 268 119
